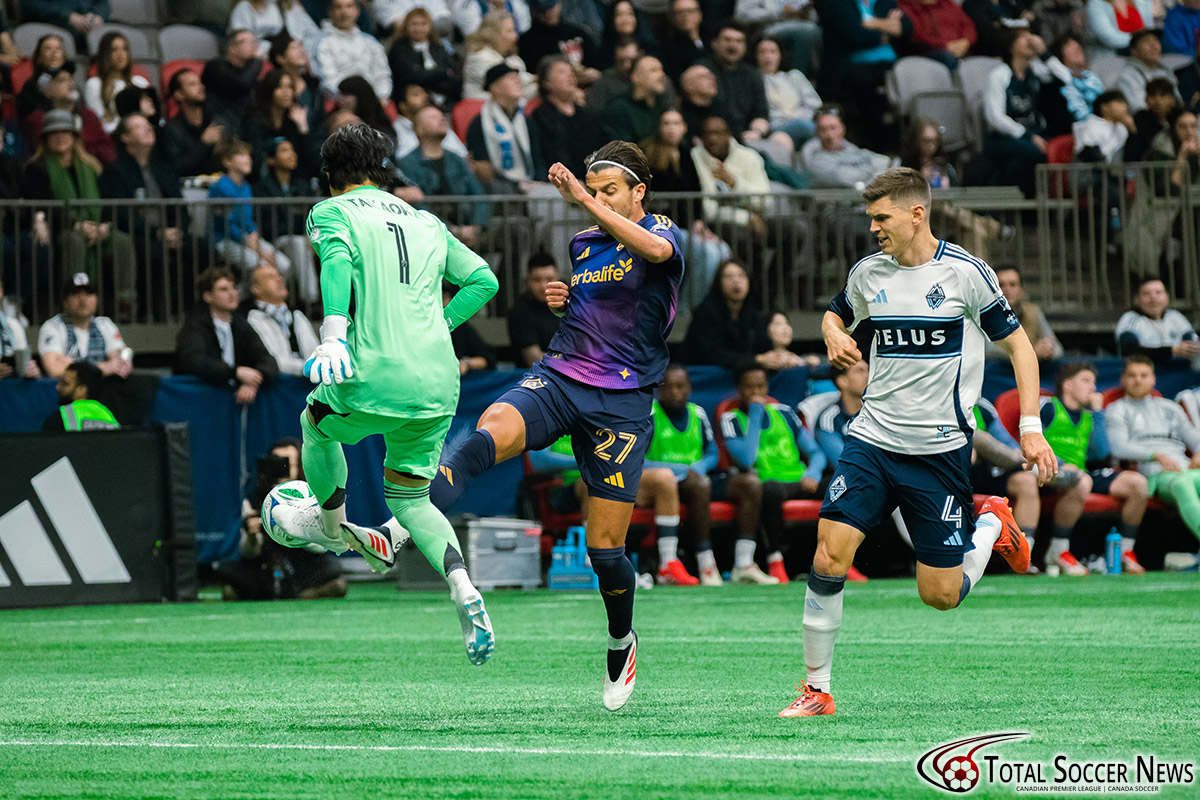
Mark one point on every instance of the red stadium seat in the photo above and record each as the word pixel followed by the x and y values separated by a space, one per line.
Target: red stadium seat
pixel 21 72
pixel 1008 409
pixel 801 510
pixel 1116 393
pixel 1060 149
pixel 532 105
pixel 720 511
pixel 170 107
pixel 555 522
pixel 464 112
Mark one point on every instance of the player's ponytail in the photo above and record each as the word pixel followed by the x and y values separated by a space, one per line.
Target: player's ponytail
pixel 356 154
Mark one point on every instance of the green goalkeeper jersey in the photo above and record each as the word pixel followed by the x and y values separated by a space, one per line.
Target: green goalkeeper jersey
pixel 382 265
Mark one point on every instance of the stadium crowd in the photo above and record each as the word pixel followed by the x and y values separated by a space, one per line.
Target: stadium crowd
pixel 729 98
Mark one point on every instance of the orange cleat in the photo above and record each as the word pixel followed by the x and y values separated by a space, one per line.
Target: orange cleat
pixel 776 570
pixel 1012 543
pixel 1130 565
pixel 674 573
pixel 854 576
pixel 810 703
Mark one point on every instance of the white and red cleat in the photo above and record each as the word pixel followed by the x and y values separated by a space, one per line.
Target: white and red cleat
pixel 1130 565
pixel 854 576
pixel 616 693
pixel 375 545
pixel 1068 564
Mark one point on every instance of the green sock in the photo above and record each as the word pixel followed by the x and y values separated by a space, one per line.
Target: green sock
pixel 324 461
pixel 429 528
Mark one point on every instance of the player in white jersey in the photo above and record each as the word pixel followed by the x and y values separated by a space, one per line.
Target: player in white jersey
pixel 931 303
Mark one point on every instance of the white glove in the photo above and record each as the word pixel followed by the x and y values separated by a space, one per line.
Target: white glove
pixel 330 362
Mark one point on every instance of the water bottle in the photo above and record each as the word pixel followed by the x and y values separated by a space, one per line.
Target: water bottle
pixel 1112 552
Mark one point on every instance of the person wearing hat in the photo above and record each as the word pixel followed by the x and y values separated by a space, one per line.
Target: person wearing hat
pixel 77 334
pixel 58 90
pixel 1143 65
pixel 61 169
pixel 499 137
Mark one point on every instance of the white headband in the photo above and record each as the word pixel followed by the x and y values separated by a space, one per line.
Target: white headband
pixel 615 164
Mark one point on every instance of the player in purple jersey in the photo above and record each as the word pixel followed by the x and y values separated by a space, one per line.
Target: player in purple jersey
pixel 596 380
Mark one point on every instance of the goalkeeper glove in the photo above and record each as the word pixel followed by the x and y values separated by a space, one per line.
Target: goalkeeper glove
pixel 330 362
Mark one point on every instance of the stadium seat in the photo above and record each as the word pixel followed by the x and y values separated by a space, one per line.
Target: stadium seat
pixel 26 37
pixel 462 115
pixel 531 105
pixel 801 510
pixel 541 486
pixel 170 107
pixel 1008 409
pixel 135 12
pixel 973 75
pixel 1115 393
pixel 1175 61
pixel 718 511
pixel 954 119
pixel 138 69
pixel 141 46
pixel 188 41
pixel 1107 67
pixel 1061 149
pixel 916 75
pixel 1189 400
pixel 21 72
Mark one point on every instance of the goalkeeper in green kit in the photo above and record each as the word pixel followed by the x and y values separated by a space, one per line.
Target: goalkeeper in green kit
pixel 385 365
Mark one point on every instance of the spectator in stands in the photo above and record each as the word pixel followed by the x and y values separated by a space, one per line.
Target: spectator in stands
pixel 991 17
pixel 134 99
pixel 288 54
pixel 498 139
pixel 736 173
pixel 60 169
pixel 1013 142
pixel 1067 95
pixel 469 16
pixel 997 469
pixel 219 346
pixel 268 18
pixel 77 334
pixel 790 97
pixel 685 44
pixel 395 16
pixel 531 323
pixel 1075 429
pixel 283 225
pixel 80 17
pixel 623 23
pixel 565 131
pixel 494 43
pixel 634 116
pixel 548 35
pixel 1181 28
pixel 1143 65
pixel 418 56
pixel 856 56
pixel 190 139
pixel 940 30
pixel 922 151
pixel 79 410
pixel 1156 434
pixel 235 236
pixel 14 347
pixel 781 336
pixel 614 81
pixel 438 171
pixel 10 54
pixel 49 54
pixel 1188 77
pixel 59 91
pixel 1152 120
pixel 1153 329
pixel 286 332
pixel 1180 144
pixel 344 50
pixel 726 327
pixel 669 155
pixel 410 100
pixel 760 434
pixel 229 81
pixel 1102 136
pixel 266 570
pixel 114 71
pixel 472 352
pixel 1032 318
pixel 698 97
pixel 1113 22
pixel 276 114
pixel 356 94
pixel 739 85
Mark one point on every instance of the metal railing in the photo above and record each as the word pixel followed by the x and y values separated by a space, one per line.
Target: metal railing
pixel 1082 243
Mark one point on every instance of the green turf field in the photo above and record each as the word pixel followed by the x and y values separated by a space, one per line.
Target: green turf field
pixel 373 696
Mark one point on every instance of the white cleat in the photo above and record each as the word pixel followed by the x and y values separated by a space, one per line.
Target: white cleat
pixel 752 574
pixel 616 693
pixel 302 528
pixel 711 577
pixel 377 546
pixel 476 627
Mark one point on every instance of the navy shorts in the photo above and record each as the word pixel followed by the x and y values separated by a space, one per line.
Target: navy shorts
pixel 610 428
pixel 932 491
pixel 986 479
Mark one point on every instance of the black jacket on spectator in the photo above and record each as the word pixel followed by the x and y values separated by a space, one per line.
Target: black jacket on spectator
pixel 555 137
pixel 714 337
pixel 258 132
pixel 1146 127
pixel 275 221
pixel 469 344
pixel 1189 86
pixel 679 52
pixel 1053 105
pixel 408 66
pixel 694 115
pixel 10 177
pixel 57 12
pixel 198 352
pixel 989 28
pixel 741 92
pixel 843 34
pixel 530 323
pixel 182 147
pixel 230 91
pixel 564 39
pixel 683 179
pixel 124 178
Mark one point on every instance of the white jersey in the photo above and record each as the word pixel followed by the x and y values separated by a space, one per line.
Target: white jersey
pixel 927 354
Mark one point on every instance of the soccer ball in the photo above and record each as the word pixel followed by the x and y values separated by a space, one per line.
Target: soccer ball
pixel 298 497
pixel 961 774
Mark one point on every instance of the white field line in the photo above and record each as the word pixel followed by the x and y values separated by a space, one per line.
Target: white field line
pixel 417 748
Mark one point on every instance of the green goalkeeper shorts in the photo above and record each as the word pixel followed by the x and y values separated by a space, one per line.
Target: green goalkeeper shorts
pixel 414 446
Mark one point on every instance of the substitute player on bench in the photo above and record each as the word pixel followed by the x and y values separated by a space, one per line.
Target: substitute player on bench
pixel 910 446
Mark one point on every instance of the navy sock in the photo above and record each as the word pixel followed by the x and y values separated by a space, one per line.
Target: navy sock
pixel 617 582
pixel 1129 530
pixel 476 455
pixel 966 587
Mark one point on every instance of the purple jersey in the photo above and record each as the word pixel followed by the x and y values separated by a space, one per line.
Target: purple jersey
pixel 614 334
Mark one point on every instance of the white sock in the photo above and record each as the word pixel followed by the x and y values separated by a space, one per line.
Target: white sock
pixel 775 556
pixel 332 519
pixel 620 644
pixel 460 584
pixel 1126 544
pixel 822 619
pixel 706 560
pixel 1058 546
pixel 901 528
pixel 668 549
pixel 975 561
pixel 743 552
